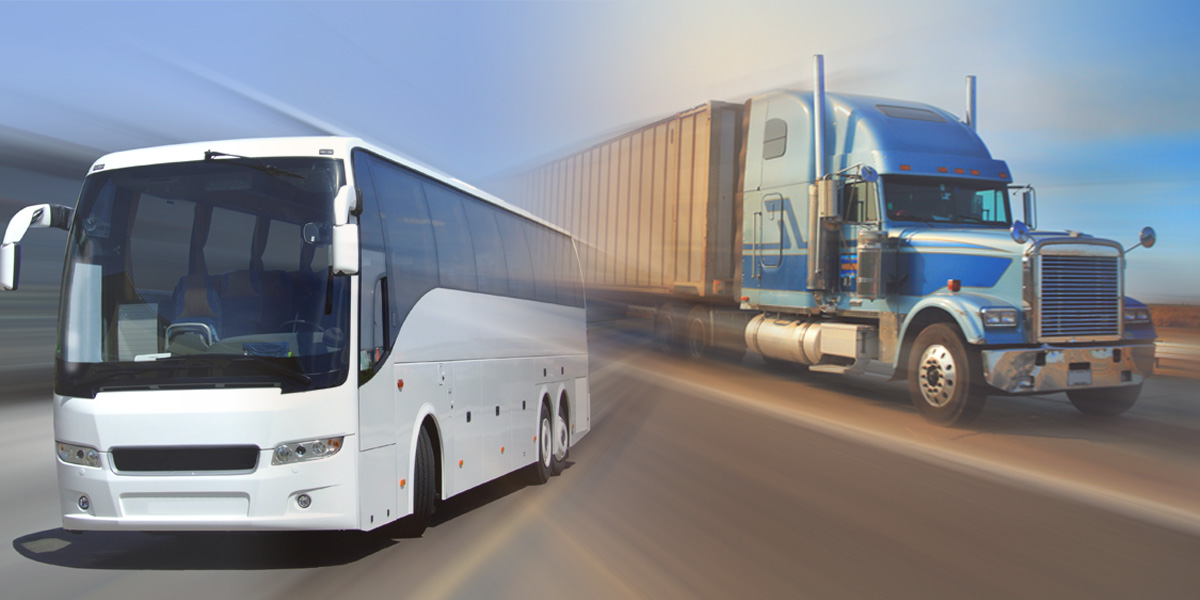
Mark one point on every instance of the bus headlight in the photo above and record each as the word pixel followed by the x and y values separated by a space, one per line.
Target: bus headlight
pixel 78 455
pixel 1137 316
pixel 292 452
pixel 999 317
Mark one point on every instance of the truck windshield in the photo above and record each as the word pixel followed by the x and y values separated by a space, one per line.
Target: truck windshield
pixel 944 200
pixel 212 273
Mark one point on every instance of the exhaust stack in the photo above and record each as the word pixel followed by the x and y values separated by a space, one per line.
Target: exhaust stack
pixel 819 114
pixel 971 116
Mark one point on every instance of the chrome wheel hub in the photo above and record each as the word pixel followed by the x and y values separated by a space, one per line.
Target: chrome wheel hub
pixel 937 375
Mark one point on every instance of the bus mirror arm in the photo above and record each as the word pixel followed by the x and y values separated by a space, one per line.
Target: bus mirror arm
pixel 37 216
pixel 343 251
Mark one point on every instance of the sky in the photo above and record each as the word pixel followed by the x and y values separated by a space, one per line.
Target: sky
pixel 1094 103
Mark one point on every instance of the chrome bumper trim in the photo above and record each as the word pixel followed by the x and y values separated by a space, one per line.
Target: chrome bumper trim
pixel 1018 370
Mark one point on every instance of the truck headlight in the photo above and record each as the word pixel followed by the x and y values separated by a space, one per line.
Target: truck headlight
pixel 999 317
pixel 78 455
pixel 1137 315
pixel 291 452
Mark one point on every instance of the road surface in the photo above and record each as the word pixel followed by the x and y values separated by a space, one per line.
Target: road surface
pixel 704 480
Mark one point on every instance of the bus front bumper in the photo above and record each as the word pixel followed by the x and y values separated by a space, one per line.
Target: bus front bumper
pixel 1059 368
pixel 99 499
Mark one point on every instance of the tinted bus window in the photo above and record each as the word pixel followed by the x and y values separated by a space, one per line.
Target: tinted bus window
pixel 412 254
pixel 517 256
pixel 456 254
pixel 490 266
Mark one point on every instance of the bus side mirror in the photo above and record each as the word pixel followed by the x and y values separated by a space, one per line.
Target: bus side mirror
pixel 37 216
pixel 343 251
pixel 10 266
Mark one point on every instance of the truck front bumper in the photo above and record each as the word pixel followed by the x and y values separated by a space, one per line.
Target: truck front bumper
pixel 1057 368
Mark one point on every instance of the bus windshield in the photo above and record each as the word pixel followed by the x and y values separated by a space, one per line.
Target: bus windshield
pixel 944 200
pixel 212 273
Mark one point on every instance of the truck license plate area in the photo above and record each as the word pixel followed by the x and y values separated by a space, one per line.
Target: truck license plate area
pixel 1079 374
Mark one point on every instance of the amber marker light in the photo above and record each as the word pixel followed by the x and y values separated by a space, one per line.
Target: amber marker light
pixel 954 285
pixel 943 170
pixel 960 171
pixel 745 298
pixel 400 384
pixel 403 482
pixel 905 167
pixel 975 171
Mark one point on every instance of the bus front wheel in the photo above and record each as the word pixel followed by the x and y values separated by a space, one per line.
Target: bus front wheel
pixel 424 492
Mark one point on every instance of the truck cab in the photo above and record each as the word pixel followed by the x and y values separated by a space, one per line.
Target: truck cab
pixel 906 252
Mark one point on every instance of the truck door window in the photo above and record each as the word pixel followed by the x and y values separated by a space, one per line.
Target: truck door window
pixel 774 139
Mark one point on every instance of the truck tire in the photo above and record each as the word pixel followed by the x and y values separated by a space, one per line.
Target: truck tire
pixel 944 376
pixel 695 342
pixel 1105 402
pixel 424 492
pixel 666 330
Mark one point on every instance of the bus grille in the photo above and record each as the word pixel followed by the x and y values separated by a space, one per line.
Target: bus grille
pixel 1080 296
pixel 177 459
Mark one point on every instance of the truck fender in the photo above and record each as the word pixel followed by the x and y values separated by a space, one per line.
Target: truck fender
pixel 962 307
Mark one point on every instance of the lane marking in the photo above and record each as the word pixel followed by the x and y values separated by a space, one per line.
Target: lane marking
pixel 1135 507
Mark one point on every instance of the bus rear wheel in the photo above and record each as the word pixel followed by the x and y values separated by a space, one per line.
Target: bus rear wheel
pixel 539 472
pixel 562 439
pixel 1105 402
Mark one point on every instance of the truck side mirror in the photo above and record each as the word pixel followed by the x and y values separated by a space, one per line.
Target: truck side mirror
pixel 1029 200
pixel 37 216
pixel 1148 237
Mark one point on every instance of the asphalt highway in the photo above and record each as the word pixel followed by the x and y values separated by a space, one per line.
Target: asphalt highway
pixel 701 480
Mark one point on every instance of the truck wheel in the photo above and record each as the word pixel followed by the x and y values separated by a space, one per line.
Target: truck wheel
pixel 943 377
pixel 1105 402
pixel 539 472
pixel 666 330
pixel 424 492
pixel 696 342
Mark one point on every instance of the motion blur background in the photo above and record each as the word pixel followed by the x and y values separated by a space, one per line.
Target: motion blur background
pixel 1095 103
pixel 1092 102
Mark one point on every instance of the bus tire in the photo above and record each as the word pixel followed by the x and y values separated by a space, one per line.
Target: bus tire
pixel 1105 402
pixel 562 439
pixel 424 490
pixel 944 377
pixel 539 471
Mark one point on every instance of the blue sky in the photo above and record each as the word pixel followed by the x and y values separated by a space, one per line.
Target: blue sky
pixel 1095 103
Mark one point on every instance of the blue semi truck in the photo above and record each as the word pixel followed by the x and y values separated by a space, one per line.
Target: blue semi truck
pixel 845 232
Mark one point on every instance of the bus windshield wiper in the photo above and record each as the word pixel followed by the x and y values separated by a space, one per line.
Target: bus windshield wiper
pixel 255 163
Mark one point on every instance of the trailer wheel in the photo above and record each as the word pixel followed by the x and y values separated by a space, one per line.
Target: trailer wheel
pixel 1105 402
pixel 666 330
pixel 944 377
pixel 539 472
pixel 424 494
pixel 696 342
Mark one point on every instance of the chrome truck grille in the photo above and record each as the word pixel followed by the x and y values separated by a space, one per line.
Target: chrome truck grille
pixel 1079 293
